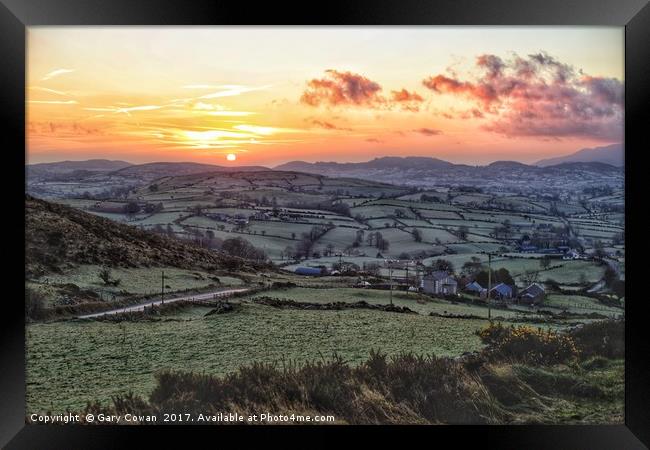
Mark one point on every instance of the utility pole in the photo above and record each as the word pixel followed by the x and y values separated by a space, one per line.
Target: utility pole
pixel 162 290
pixel 390 276
pixel 407 278
pixel 489 285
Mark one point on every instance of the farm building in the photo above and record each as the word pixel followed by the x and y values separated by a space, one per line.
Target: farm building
pixel 532 295
pixel 309 271
pixel 571 254
pixel 501 291
pixel 474 288
pixel 440 282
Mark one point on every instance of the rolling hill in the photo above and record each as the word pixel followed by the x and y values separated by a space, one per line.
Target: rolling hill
pixel 58 237
pixel 162 169
pixel 610 154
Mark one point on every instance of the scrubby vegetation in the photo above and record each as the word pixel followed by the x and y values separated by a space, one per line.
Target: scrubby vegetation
pixel 59 237
pixel 528 344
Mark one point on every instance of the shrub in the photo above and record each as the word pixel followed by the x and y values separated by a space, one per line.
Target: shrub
pixel 604 338
pixel 527 344
pixel 402 389
pixel 34 305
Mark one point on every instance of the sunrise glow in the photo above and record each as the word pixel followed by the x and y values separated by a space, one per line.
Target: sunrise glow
pixel 267 96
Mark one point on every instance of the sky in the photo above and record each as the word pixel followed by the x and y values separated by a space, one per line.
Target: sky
pixel 268 95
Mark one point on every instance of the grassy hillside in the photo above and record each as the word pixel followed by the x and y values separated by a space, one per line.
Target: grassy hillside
pixel 58 237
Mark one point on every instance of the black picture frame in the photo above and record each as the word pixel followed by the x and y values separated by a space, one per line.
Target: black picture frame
pixel 16 15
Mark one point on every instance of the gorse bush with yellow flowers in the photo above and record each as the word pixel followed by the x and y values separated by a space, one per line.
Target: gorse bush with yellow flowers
pixel 528 344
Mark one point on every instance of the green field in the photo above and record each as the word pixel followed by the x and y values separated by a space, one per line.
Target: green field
pixel 133 281
pixel 69 363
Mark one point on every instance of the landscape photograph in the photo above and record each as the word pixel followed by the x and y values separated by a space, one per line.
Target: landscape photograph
pixel 325 225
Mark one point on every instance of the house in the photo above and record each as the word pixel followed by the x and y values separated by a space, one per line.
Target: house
pixel 532 295
pixel 439 282
pixel 260 215
pixel 571 254
pixel 528 249
pixel 501 292
pixel 474 288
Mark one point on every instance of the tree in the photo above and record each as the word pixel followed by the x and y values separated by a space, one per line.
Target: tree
pixel 442 265
pixel 462 232
pixel 131 208
pixel 618 288
pixel 417 235
pixel 473 265
pixel 545 262
pixel 34 304
pixel 529 276
pixel 499 276
pixel 289 252
pixel 243 249
pixel 610 276
pixel 106 276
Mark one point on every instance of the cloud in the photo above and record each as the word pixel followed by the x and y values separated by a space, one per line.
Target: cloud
pixel 53 102
pixel 230 90
pixel 409 101
pixel 375 141
pixel 124 110
pixel 428 131
pixel 406 96
pixel 61 129
pixel 55 73
pixel 339 88
pixel 342 88
pixel 49 91
pixel 328 125
pixel 538 96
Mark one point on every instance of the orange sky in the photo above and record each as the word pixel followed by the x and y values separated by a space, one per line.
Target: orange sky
pixel 270 95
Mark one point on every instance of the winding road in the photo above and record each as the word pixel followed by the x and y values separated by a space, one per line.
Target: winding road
pixel 142 306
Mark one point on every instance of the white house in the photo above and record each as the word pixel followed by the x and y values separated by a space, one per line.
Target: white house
pixel 439 282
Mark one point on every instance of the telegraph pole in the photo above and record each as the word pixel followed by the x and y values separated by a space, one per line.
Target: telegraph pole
pixel 489 285
pixel 390 276
pixel 162 288
pixel 407 278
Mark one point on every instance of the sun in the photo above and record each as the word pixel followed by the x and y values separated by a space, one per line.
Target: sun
pixel 231 157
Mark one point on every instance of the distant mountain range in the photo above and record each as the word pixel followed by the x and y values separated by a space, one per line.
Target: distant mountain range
pixel 161 169
pixel 423 164
pixel 90 165
pixel 77 170
pixel 611 154
pixel 585 167
pixel 387 162
pixel 428 172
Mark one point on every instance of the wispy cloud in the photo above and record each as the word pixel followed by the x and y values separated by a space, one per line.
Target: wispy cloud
pixel 49 91
pixel 428 131
pixel 56 73
pixel 125 110
pixel 54 102
pixel 232 90
pixel 328 125
pixel 265 131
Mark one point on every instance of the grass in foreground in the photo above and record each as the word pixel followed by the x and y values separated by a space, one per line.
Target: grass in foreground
pixel 505 383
